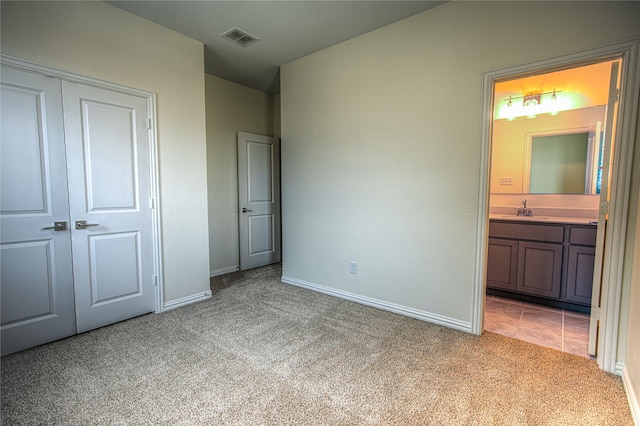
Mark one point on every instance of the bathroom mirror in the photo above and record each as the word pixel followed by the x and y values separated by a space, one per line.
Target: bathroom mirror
pixel 548 154
pixel 563 164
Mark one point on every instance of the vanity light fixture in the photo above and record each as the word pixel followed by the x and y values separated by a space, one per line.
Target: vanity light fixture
pixel 531 104
pixel 510 112
pixel 533 98
pixel 554 104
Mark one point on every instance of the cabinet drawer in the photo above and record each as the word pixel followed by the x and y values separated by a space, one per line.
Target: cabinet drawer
pixel 582 236
pixel 527 231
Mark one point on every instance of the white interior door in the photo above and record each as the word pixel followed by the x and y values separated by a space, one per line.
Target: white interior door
pixel 259 200
pixel 35 256
pixel 605 197
pixel 108 160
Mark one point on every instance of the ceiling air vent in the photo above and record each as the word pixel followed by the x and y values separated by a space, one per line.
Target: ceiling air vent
pixel 240 37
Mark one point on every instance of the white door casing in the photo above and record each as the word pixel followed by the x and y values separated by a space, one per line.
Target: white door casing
pixel 110 191
pixel 258 200
pixel 35 257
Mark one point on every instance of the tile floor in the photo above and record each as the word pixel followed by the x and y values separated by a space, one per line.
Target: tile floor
pixel 559 329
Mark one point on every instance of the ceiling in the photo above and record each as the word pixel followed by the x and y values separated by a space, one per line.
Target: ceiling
pixel 287 30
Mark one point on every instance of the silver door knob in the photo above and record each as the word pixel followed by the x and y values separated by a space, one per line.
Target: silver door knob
pixel 82 224
pixel 57 226
pixel 246 210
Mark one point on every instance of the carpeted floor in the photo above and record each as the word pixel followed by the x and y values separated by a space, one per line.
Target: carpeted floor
pixel 262 352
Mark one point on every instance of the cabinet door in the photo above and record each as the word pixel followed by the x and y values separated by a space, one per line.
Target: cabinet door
pixel 539 269
pixel 502 258
pixel 580 274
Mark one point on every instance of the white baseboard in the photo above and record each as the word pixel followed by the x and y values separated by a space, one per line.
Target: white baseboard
pixel 183 301
pixel 225 270
pixel 381 304
pixel 633 396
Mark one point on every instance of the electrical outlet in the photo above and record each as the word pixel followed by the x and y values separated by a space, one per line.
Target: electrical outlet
pixel 506 181
pixel 353 267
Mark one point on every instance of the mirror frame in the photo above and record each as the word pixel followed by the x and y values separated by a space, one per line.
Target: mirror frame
pixel 592 154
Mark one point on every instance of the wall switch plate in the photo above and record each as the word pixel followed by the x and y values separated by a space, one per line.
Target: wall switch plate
pixel 353 267
pixel 506 181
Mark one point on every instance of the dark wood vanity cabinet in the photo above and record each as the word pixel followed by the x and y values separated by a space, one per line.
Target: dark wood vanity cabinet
pixel 582 252
pixel 539 269
pixel 502 264
pixel 550 261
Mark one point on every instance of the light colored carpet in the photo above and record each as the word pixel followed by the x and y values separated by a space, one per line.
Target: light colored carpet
pixel 262 352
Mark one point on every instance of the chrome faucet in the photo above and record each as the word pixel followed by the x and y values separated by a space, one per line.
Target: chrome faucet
pixel 524 210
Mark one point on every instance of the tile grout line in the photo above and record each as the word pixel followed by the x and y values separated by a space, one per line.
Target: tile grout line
pixel 564 315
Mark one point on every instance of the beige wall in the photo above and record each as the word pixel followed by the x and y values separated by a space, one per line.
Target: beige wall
pixel 632 361
pixel 630 314
pixel 276 115
pixel 509 143
pixel 231 108
pixel 382 142
pixel 100 41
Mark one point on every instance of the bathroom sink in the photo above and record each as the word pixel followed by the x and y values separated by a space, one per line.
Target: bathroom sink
pixel 508 216
pixel 555 219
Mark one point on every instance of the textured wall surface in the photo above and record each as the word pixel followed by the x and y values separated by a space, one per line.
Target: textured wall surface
pixel 382 139
pixel 231 108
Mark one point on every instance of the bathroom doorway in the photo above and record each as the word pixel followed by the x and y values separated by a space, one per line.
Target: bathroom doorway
pixel 548 149
pixel 607 252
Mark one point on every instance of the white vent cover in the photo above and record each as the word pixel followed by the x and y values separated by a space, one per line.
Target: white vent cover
pixel 240 37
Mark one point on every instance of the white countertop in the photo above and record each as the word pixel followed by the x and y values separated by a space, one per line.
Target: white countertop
pixel 545 219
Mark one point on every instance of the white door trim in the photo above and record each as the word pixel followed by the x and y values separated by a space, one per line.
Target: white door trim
pixel 620 190
pixel 34 68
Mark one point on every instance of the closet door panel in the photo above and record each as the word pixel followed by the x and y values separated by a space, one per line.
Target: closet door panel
pixel 108 156
pixel 36 285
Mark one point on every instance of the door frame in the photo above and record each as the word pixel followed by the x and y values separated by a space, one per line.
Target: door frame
pixel 614 249
pixel 27 66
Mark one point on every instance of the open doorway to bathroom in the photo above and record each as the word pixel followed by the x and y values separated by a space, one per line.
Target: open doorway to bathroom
pixel 551 151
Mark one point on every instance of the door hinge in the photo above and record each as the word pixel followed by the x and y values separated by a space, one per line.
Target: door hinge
pixel 155 280
pixel 152 203
pixel 615 96
pixel 148 124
